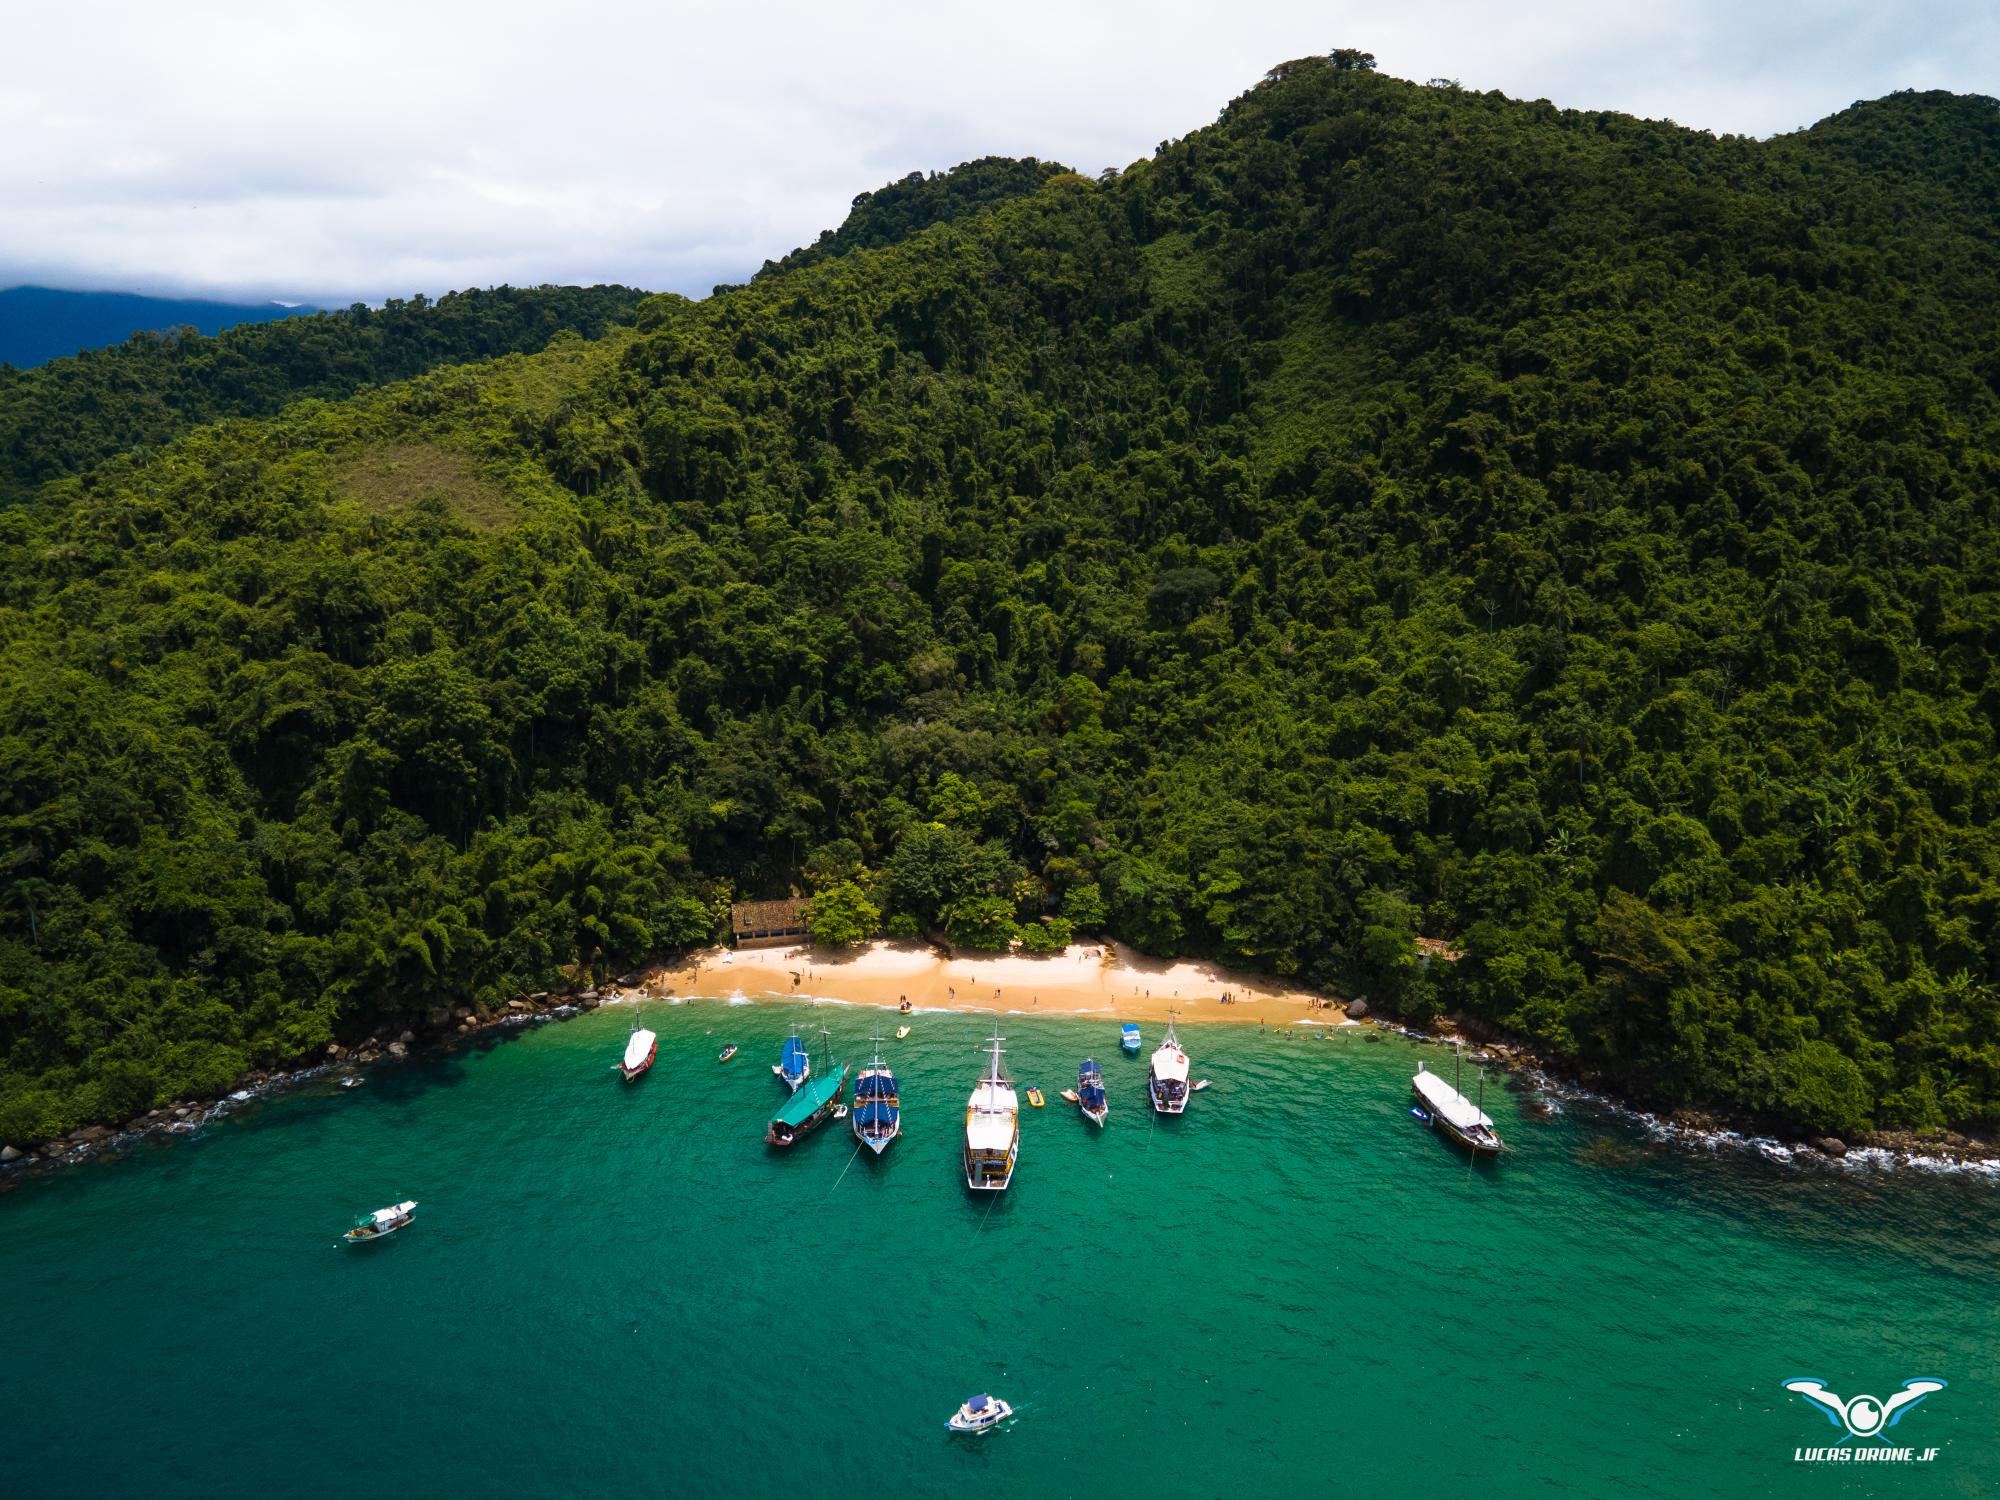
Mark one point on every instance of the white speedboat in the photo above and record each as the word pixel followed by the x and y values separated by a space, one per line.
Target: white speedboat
pixel 980 1414
pixel 639 1052
pixel 380 1224
pixel 1167 1079
pixel 992 1129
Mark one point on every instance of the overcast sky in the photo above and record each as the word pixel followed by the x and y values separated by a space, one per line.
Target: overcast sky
pixel 359 150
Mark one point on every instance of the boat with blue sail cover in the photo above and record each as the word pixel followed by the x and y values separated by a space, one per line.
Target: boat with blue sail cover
pixel 877 1115
pixel 1128 1038
pixel 1090 1097
pixel 816 1097
pixel 795 1065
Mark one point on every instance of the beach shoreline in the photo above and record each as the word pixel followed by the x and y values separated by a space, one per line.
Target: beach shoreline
pixel 1102 980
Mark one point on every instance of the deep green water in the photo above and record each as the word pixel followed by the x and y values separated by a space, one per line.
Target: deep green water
pixel 1294 1289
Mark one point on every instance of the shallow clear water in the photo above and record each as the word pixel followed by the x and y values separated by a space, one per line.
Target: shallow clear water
pixel 1293 1289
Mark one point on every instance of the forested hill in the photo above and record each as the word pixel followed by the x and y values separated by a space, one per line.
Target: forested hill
pixel 899 209
pixel 1389 511
pixel 69 414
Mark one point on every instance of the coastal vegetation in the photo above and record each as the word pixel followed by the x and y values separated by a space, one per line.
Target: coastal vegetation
pixel 1393 510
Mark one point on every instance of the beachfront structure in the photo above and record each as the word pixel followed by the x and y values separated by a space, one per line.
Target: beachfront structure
pixel 767 924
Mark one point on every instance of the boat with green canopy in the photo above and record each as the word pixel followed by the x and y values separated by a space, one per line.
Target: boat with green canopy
pixel 812 1101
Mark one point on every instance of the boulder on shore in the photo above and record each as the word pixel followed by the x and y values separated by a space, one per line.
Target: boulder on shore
pixel 519 1005
pixel 10 1153
pixel 464 1013
pixel 1832 1145
pixel 1357 1008
pixel 397 1049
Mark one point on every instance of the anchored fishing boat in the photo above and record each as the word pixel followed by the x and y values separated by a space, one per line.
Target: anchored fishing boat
pixel 1167 1079
pixel 877 1115
pixel 380 1224
pixel 812 1101
pixel 1128 1038
pixel 1453 1114
pixel 980 1414
pixel 726 1053
pixel 992 1129
pixel 795 1065
pixel 640 1049
pixel 1090 1096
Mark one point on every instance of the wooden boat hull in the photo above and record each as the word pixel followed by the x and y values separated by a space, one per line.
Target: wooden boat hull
pixel 1478 1146
pixel 774 1135
pixel 356 1237
pixel 631 1073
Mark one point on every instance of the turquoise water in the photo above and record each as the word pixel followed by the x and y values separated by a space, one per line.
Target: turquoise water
pixel 1292 1290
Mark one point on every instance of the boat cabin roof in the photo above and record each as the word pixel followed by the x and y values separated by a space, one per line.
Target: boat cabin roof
pixel 1449 1104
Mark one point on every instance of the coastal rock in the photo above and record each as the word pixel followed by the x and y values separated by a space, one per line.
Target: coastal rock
pixel 519 1005
pixel 397 1049
pixel 10 1153
pixel 1357 1008
pixel 407 1037
pixel 464 1013
pixel 588 1002
pixel 91 1134
pixel 1832 1145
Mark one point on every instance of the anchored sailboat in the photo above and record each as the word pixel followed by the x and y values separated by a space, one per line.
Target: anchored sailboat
pixel 1090 1097
pixel 812 1101
pixel 992 1129
pixel 877 1115
pixel 795 1066
pixel 1167 1079
pixel 1454 1114
pixel 640 1049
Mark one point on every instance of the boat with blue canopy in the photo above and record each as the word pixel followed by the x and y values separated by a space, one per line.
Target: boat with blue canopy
pixel 795 1065
pixel 812 1101
pixel 980 1414
pixel 1090 1097
pixel 877 1116
pixel 1128 1038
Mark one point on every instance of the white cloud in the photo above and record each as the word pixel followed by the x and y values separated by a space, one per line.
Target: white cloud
pixel 375 149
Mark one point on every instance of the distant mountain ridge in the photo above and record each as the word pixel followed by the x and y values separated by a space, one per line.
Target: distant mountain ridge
pixel 39 323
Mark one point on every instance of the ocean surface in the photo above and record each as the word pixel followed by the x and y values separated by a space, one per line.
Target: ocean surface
pixel 1294 1289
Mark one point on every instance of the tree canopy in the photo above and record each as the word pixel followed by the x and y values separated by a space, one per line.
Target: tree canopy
pixel 1393 510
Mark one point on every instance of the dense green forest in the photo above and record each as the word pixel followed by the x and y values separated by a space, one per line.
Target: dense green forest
pixel 897 210
pixel 1391 510
pixel 65 416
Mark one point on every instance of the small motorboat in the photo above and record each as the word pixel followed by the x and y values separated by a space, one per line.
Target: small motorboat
pixel 980 1414
pixel 727 1053
pixel 1035 1097
pixel 380 1224
pixel 1071 1096
pixel 639 1053
pixel 1196 1088
pixel 901 1032
pixel 1128 1038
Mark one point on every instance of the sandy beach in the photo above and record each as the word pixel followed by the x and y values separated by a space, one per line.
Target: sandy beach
pixel 1093 979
